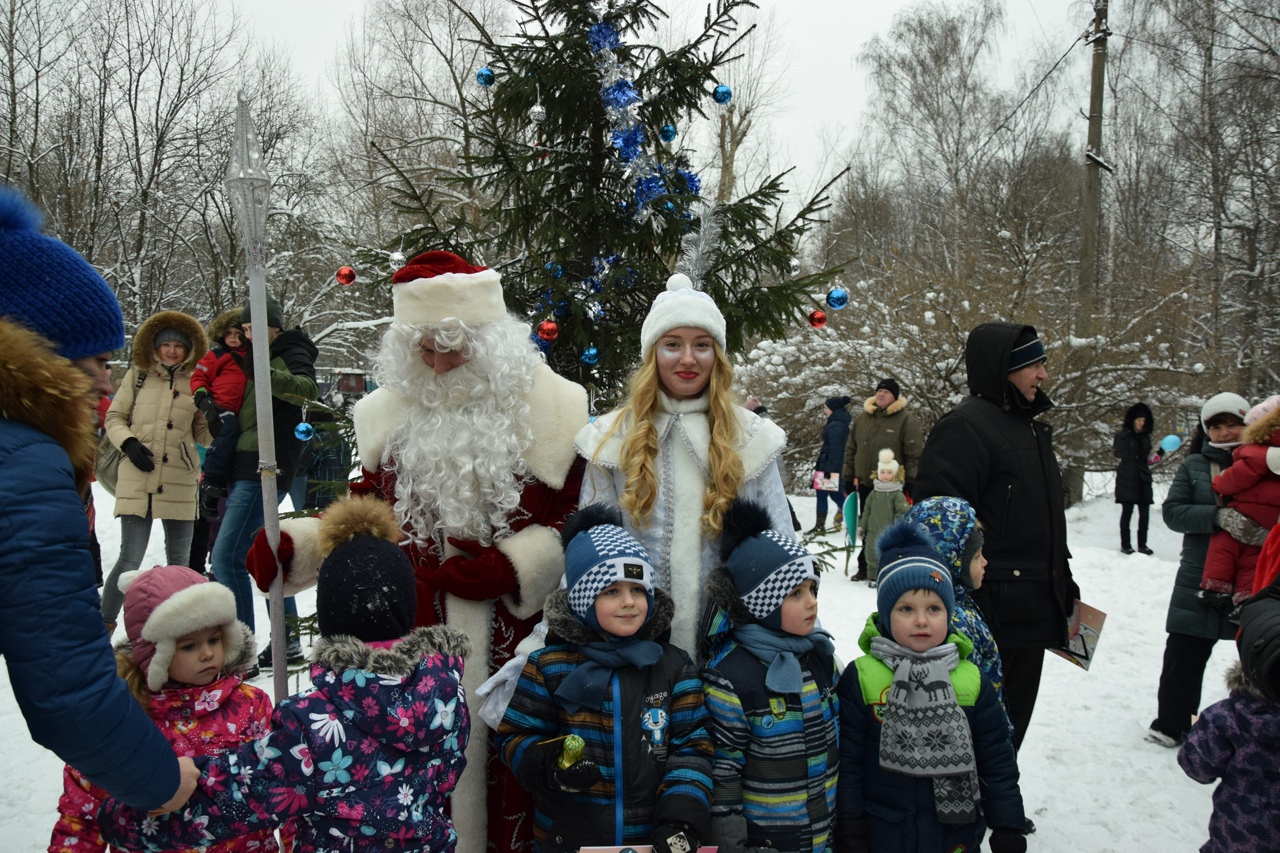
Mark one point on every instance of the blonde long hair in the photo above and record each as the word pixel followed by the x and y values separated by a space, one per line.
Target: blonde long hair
pixel 133 676
pixel 640 445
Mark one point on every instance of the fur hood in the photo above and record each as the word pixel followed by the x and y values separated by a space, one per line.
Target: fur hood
pixel 144 351
pixel 46 392
pixel 219 325
pixel 1237 681
pixel 563 625
pixel 1263 431
pixel 343 653
pixel 896 406
pixel 1140 410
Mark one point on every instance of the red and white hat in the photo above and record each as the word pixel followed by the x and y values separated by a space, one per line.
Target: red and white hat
pixel 438 284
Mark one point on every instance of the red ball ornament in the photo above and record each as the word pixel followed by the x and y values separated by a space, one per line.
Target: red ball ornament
pixel 817 319
pixel 549 330
pixel 346 276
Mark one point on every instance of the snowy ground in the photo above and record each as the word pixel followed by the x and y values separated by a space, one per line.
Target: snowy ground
pixel 1090 781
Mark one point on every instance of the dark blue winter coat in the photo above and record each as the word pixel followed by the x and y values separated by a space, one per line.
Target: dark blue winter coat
pixel 835 435
pixel 52 637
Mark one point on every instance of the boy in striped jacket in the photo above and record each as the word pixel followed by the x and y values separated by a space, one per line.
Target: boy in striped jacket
pixel 770 685
pixel 607 727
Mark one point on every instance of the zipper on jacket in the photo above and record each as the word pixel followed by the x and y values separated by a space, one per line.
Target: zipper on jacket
pixel 617 760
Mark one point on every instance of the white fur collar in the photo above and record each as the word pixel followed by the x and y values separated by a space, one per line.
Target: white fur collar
pixel 557 406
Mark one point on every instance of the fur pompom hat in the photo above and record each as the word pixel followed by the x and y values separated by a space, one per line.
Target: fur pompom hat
pixel 681 305
pixel 599 552
pixel 909 560
pixel 436 285
pixel 886 462
pixel 765 565
pixel 168 602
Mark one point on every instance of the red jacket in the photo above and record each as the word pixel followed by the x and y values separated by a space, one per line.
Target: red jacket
pixel 1254 489
pixel 220 374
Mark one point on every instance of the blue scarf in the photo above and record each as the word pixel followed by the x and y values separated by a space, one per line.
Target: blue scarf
pixel 585 686
pixel 781 653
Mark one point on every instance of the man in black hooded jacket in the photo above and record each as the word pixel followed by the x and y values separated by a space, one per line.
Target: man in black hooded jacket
pixel 991 451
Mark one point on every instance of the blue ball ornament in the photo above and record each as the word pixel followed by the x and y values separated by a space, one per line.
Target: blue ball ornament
pixel 590 355
pixel 1170 443
pixel 667 133
pixel 304 431
pixel 555 270
pixel 722 94
pixel 485 77
pixel 837 298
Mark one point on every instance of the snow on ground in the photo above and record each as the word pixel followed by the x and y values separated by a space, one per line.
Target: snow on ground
pixel 1089 779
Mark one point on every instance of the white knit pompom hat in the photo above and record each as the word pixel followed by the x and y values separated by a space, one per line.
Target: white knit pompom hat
pixel 681 305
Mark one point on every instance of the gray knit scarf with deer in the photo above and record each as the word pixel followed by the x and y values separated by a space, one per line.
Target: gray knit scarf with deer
pixel 925 732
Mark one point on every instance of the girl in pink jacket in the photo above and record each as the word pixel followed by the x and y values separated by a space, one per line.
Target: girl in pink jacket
pixel 184 662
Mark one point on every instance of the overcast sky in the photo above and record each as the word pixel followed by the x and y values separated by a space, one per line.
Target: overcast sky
pixel 820 43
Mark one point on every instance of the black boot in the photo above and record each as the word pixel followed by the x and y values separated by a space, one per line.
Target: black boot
pixel 819 526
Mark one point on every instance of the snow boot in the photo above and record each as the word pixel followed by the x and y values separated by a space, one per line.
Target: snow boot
pixel 819 526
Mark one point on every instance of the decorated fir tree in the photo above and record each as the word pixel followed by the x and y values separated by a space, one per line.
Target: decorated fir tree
pixel 582 194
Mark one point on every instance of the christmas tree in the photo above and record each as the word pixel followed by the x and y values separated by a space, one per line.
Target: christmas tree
pixel 590 202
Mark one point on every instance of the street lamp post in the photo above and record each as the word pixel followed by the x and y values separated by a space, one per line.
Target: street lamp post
pixel 248 187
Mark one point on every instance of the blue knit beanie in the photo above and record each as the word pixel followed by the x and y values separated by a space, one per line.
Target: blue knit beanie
pixel 765 565
pixel 909 560
pixel 599 552
pixel 50 289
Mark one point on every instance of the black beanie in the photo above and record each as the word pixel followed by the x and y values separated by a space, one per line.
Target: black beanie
pixel 275 314
pixel 835 404
pixel 366 589
pixel 1259 642
pixel 1027 350
pixel 891 385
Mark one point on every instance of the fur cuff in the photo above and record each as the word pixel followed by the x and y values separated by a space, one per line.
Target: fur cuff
pixel 342 653
pixel 538 558
pixel 304 568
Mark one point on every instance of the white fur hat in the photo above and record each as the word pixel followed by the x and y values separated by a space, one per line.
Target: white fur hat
pixel 887 462
pixel 168 602
pixel 681 305
pixel 436 285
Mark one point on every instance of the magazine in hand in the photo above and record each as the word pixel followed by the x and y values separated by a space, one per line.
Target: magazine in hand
pixel 1082 635
pixel 826 481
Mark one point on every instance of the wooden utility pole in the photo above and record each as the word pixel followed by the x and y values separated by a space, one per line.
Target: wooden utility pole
pixel 1091 213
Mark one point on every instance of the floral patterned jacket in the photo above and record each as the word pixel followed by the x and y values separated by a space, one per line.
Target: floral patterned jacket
pixel 364 760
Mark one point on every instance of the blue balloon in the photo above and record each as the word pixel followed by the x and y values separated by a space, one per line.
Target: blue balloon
pixel 485 77
pixel 722 94
pixel 304 431
pixel 1170 443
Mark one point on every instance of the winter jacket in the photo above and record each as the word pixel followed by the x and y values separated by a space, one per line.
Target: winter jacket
pixel 648 737
pixel 951 521
pixel 835 435
pixel 875 429
pixel 884 505
pixel 1188 509
pixel 162 414
pixel 1133 449
pixel 991 451
pixel 776 755
pixel 1252 486
pixel 1237 740
pixel 208 720
pixel 681 555
pixel 220 376
pixel 363 761
pixel 61 667
pixel 900 809
pixel 293 385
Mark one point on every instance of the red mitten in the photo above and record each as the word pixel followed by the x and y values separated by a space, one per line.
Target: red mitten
pixel 261 563
pixel 478 574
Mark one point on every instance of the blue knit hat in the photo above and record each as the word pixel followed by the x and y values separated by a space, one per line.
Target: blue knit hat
pixel 909 560
pixel 50 289
pixel 599 552
pixel 765 565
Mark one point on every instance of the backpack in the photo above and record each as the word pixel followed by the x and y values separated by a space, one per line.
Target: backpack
pixel 106 468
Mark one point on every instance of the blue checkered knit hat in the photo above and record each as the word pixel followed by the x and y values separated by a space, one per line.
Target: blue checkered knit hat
pixel 765 565
pixel 909 560
pixel 599 552
pixel 50 289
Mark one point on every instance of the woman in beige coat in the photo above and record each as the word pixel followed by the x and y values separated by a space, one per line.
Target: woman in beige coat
pixel 154 421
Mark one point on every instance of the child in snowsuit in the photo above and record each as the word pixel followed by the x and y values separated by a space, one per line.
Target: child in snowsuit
pixel 1237 740
pixel 218 387
pixel 954 527
pixel 885 505
pixel 363 760
pixel 926 759
pixel 643 773
pixel 770 692
pixel 1252 487
pixel 184 662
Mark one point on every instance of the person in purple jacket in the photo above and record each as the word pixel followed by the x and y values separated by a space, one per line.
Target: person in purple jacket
pixel 1237 740
pixel 366 758
pixel 59 325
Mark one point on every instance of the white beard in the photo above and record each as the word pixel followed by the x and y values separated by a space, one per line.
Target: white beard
pixel 458 453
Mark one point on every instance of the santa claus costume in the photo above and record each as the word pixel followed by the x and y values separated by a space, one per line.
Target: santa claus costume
pixel 470 438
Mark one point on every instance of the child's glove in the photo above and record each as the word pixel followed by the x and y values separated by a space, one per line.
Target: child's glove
pixel 674 838
pixel 138 454
pixel 578 776
pixel 851 835
pixel 1008 841
pixel 1220 601
pixel 208 408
